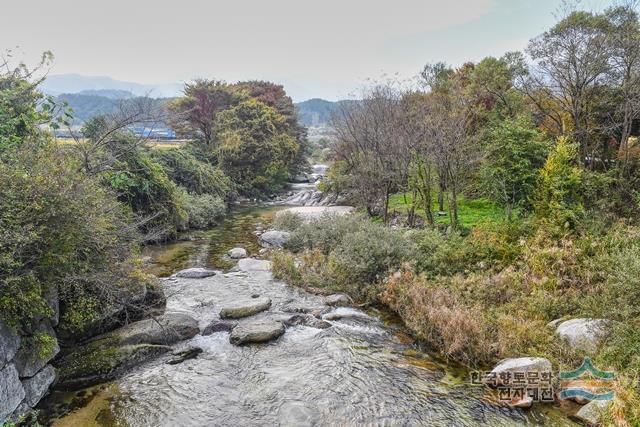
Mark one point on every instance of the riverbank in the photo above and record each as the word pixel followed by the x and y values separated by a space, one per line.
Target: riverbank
pixel 364 368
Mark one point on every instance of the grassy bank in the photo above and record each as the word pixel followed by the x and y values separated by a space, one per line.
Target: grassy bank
pixel 489 294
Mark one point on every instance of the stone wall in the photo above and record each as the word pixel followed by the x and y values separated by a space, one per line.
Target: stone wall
pixel 25 375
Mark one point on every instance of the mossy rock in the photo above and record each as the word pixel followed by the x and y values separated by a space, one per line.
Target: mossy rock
pixel 102 360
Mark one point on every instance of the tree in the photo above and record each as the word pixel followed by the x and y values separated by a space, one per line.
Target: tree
pixel 513 153
pixel 194 114
pixel 255 148
pixel 558 198
pixel 571 60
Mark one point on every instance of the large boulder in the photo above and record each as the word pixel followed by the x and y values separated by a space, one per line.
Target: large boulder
pixel 252 264
pixel 195 273
pixel 167 329
pixel 257 331
pixel 245 307
pixel 237 253
pixel 519 364
pixel 274 238
pixel 583 334
pixel 9 344
pixel 102 360
pixel 29 360
pixel 37 387
pixel 11 391
pixel 591 413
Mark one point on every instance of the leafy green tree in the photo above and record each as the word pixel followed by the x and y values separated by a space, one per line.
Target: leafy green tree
pixel 514 152
pixel 559 200
pixel 255 149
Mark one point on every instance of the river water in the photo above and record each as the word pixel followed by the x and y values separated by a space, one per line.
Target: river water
pixel 364 370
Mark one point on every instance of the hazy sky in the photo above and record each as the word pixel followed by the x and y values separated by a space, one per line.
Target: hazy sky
pixel 322 48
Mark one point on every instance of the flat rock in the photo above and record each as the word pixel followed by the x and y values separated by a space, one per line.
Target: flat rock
pixel 237 253
pixel 522 364
pixel 338 300
pixel 274 238
pixel 245 307
pixel 219 326
pixel 583 334
pixel 27 361
pixel 195 273
pixel 37 387
pixel 257 331
pixel 591 413
pixel 252 264
pixel 9 344
pixel 167 329
pixel 11 391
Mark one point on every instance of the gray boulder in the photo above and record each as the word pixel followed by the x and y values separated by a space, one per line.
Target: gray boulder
pixel 29 362
pixel 274 238
pixel 245 307
pixel 583 334
pixel 591 413
pixel 37 387
pixel 167 329
pixel 195 273
pixel 11 391
pixel 237 253
pixel 521 364
pixel 9 344
pixel 181 356
pixel 258 331
pixel 252 264
pixel 338 300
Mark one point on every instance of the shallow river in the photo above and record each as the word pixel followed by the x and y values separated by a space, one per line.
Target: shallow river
pixel 364 370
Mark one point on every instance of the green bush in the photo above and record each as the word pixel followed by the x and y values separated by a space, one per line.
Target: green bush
pixel 204 210
pixel 325 233
pixel 196 176
pixel 287 221
pixel 142 184
pixel 61 229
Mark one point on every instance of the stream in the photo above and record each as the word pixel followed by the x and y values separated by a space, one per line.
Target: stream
pixel 363 370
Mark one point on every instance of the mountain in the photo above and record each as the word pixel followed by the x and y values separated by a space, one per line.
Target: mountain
pixel 108 93
pixel 74 83
pixel 317 112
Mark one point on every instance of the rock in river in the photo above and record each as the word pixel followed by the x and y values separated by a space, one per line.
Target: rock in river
pixel 167 329
pixel 307 320
pixel 219 326
pixel 37 386
pixel 257 331
pixel 252 264
pixel 338 300
pixel 245 307
pixel 195 273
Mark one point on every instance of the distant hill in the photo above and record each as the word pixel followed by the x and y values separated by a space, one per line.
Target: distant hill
pixel 317 112
pixel 75 83
pixel 108 93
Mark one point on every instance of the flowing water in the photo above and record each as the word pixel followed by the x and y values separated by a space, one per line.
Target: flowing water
pixel 363 370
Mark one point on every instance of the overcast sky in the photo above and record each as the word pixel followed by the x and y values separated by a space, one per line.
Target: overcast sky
pixel 322 48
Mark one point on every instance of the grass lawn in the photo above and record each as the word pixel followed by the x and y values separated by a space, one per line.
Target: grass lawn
pixel 471 212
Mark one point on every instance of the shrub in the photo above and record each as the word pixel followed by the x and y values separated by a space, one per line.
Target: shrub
pixel 61 229
pixel 325 233
pixel 287 221
pixel 204 210
pixel 196 176
pixel 363 257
